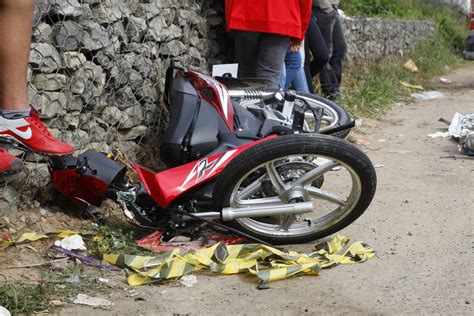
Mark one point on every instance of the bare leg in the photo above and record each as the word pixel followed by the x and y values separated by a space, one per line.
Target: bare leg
pixel 15 36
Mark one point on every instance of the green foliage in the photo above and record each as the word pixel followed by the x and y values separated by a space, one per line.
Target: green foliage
pixel 369 91
pixel 26 299
pixel 118 239
pixel 373 8
pixel 450 28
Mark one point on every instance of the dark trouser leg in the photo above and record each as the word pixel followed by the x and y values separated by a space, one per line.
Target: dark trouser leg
pixel 327 76
pixel 270 58
pixel 307 70
pixel 339 51
pixel 246 48
pixel 317 46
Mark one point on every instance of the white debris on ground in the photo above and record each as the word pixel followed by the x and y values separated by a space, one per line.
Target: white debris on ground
pixel 445 80
pixel 439 134
pixel 74 242
pixel 84 299
pixel 188 280
pixel 427 95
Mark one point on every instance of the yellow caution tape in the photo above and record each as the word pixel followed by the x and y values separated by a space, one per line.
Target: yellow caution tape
pixel 411 86
pixel 30 237
pixel 267 263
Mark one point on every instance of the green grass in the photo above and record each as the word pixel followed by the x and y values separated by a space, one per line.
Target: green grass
pixel 120 238
pixel 369 90
pixel 25 299
pixel 22 298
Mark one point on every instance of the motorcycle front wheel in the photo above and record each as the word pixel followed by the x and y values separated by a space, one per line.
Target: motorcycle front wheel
pixel 336 176
pixel 333 115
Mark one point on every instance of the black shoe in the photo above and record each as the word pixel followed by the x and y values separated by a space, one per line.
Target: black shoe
pixel 333 95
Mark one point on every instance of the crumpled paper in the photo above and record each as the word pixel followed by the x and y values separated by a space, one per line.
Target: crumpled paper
pixel 74 242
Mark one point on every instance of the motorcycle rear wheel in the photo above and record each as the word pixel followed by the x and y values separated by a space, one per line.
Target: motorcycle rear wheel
pixel 339 177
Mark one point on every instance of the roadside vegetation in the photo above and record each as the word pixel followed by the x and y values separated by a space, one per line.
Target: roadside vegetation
pixel 54 289
pixel 59 285
pixel 369 90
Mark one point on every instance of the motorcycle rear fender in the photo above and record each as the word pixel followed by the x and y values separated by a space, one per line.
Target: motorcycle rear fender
pixel 164 187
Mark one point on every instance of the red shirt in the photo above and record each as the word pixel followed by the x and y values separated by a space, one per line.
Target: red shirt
pixel 285 17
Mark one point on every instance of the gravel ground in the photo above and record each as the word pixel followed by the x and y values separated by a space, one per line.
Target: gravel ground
pixel 420 223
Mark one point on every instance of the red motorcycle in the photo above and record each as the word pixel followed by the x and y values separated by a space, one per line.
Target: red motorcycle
pixel 264 169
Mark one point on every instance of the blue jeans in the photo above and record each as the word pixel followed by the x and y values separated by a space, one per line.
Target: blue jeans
pixel 292 73
pixel 300 83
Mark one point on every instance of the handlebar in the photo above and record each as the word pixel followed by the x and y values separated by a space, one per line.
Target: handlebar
pixel 279 96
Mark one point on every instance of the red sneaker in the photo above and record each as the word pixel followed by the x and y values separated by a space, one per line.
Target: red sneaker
pixel 8 163
pixel 30 132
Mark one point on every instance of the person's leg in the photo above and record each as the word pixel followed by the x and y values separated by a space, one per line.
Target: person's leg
pixel 292 65
pixel 282 79
pixel 326 22
pixel 246 48
pixel 17 121
pixel 300 83
pixel 307 72
pixel 15 35
pixel 339 51
pixel 270 58
pixel 318 48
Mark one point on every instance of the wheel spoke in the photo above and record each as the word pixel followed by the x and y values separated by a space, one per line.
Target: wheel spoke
pixel 313 174
pixel 286 222
pixel 251 189
pixel 325 195
pixel 275 178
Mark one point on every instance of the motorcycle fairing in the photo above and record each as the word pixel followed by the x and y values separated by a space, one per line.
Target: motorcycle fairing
pixel 196 126
pixel 87 178
pixel 215 93
pixel 164 187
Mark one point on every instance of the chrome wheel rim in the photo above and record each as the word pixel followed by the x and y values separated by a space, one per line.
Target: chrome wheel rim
pixel 333 205
pixel 330 116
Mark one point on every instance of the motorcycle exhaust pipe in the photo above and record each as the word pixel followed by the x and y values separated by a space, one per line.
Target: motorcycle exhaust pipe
pixel 230 213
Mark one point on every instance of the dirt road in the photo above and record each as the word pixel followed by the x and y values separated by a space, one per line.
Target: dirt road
pixel 420 223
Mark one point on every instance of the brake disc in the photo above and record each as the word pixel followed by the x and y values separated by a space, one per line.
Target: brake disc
pixel 290 171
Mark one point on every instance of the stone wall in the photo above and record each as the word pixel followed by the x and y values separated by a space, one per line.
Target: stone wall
pixel 372 39
pixel 98 66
